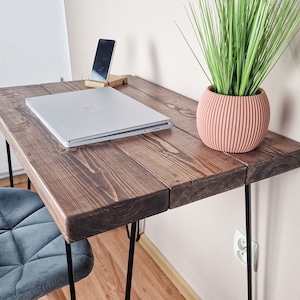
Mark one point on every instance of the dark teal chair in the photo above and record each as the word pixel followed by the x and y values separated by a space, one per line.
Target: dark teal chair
pixel 33 259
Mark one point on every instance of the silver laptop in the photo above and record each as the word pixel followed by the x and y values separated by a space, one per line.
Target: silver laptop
pixel 95 115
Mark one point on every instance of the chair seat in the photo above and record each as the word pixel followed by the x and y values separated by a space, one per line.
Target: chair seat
pixel 32 249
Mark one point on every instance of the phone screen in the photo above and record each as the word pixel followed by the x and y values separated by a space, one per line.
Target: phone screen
pixel 102 60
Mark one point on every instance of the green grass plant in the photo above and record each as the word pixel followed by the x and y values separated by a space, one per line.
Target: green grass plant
pixel 241 40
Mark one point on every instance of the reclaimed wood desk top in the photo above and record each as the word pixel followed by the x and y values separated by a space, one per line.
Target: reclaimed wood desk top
pixel 94 188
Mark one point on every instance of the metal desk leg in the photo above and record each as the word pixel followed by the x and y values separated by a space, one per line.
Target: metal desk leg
pixel 249 239
pixel 138 235
pixel 11 179
pixel 70 271
pixel 130 260
pixel 28 184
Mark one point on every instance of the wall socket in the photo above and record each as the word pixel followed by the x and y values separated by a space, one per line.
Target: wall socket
pixel 240 249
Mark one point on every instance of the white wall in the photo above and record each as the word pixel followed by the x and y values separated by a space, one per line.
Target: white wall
pixel 33 48
pixel 198 238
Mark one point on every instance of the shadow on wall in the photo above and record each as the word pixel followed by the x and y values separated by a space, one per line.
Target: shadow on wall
pixel 154 63
pixel 275 219
pixel 295 46
pixel 288 108
pixel 268 226
pixel 286 113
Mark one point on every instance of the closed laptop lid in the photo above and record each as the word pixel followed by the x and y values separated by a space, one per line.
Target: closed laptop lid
pixel 88 116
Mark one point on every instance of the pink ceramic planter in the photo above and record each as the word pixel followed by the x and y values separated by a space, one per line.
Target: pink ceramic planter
pixel 234 124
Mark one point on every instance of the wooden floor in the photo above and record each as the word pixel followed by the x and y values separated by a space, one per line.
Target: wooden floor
pixel 108 277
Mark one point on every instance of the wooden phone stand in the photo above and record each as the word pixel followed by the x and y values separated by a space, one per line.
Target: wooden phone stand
pixel 113 80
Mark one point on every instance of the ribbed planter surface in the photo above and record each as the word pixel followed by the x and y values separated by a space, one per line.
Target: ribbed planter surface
pixel 234 124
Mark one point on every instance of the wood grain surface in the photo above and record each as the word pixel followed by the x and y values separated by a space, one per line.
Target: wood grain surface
pixel 107 279
pixel 277 154
pixel 87 189
pixel 98 187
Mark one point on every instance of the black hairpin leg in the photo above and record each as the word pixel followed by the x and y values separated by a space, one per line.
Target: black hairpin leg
pixel 130 260
pixel 249 239
pixel 138 235
pixel 70 271
pixel 28 184
pixel 11 179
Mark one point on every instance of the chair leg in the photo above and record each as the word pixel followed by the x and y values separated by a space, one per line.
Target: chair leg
pixel 70 271
pixel 11 179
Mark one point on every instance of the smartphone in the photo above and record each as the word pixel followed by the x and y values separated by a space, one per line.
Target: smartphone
pixel 102 61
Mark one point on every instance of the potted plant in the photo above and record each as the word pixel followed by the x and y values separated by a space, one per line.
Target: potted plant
pixel 240 40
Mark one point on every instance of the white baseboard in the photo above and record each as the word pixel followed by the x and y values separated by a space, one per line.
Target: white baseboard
pixel 4 182
pixel 16 171
pixel 168 269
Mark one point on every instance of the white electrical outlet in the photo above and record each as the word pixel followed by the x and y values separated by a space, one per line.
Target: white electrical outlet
pixel 240 249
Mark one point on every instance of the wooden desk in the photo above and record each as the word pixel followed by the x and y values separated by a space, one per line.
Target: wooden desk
pixel 98 187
